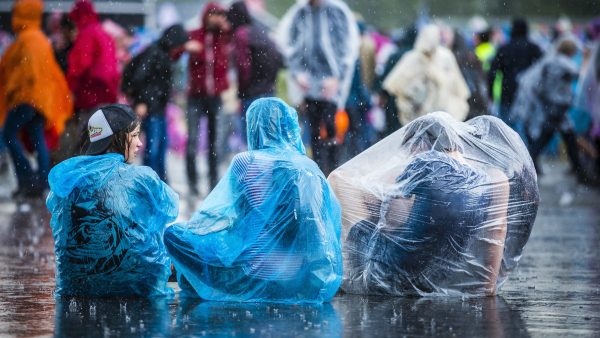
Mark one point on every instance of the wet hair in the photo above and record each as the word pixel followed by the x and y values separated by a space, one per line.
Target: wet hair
pixel 120 140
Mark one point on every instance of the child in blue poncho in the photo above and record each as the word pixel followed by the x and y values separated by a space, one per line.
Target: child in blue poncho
pixel 270 230
pixel 108 216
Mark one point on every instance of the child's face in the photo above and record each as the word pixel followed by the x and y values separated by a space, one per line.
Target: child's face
pixel 134 144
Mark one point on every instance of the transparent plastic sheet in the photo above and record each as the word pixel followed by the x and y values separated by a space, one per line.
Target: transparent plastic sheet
pixel 270 230
pixel 321 43
pixel 439 207
pixel 108 219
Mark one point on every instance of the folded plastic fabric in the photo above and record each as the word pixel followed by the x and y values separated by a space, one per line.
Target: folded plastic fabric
pixel 108 219
pixel 440 207
pixel 270 230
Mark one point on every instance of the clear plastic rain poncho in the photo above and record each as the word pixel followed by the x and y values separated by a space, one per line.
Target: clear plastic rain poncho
pixel 439 207
pixel 320 41
pixel 545 92
pixel 270 230
pixel 108 219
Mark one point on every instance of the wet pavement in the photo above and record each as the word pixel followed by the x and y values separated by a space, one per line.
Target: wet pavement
pixel 555 291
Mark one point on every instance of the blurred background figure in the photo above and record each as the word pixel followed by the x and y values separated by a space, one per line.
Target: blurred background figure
pixel 148 82
pixel 208 67
pixel 320 42
pixel 427 79
pixel 588 92
pixel 470 67
pixel 544 98
pixel 484 48
pixel 61 34
pixel 257 59
pixel 34 98
pixel 510 60
pixel 92 73
pixel 404 42
pixel 358 103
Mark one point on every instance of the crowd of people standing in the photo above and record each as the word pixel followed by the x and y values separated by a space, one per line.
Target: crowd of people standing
pixel 352 84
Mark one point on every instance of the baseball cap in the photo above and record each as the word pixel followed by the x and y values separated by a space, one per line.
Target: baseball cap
pixel 106 122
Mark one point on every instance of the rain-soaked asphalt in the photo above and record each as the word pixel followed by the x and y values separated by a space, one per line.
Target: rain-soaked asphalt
pixel 554 292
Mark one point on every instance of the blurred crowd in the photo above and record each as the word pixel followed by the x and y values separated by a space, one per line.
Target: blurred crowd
pixel 352 83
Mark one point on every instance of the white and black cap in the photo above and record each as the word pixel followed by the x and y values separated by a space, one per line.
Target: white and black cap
pixel 106 122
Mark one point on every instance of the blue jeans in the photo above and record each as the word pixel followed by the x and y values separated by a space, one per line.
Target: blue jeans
pixel 155 128
pixel 2 145
pixel 26 117
pixel 197 107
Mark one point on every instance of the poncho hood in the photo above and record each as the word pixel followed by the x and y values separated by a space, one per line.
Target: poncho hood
pixel 27 14
pixel 273 124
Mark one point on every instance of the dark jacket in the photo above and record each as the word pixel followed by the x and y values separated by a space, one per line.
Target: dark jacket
pixel 208 68
pixel 148 76
pixel 511 59
pixel 257 58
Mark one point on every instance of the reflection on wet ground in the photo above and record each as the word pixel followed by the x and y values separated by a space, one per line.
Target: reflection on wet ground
pixel 554 292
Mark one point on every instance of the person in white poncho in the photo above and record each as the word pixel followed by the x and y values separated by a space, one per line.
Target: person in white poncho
pixel 427 79
pixel 320 41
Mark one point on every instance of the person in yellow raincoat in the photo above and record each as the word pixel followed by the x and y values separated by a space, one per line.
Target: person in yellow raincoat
pixel 34 96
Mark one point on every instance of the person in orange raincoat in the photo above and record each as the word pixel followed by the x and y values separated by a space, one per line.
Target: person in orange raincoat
pixel 34 96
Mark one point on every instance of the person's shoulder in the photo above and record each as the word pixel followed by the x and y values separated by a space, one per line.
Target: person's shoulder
pixel 444 53
pixel 243 157
pixel 140 173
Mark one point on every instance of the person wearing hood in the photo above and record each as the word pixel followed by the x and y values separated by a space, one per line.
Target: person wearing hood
pixel 208 67
pixel 543 101
pixel 428 79
pixel 320 41
pixel 270 230
pixel 510 60
pixel 256 58
pixel 34 96
pixel 92 72
pixel 108 216
pixel 148 81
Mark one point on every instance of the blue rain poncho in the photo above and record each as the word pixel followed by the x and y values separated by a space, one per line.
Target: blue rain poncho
pixel 108 219
pixel 270 230
pixel 439 207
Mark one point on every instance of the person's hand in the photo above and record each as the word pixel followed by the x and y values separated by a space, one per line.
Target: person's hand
pixel 141 110
pixel 330 87
pixel 193 46
pixel 303 81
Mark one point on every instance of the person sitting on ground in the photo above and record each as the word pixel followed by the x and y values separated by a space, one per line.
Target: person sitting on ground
pixel 270 230
pixel 108 216
pixel 433 222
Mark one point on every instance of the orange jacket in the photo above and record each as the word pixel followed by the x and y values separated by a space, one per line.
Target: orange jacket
pixel 29 73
